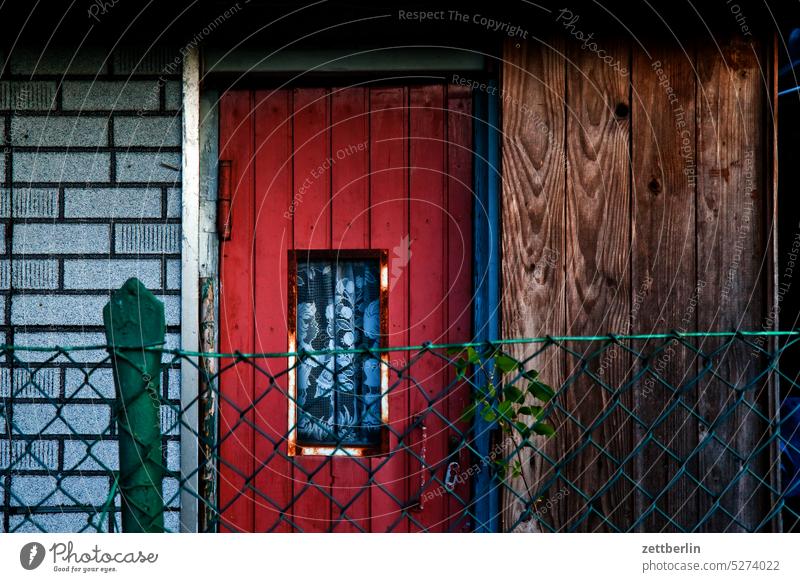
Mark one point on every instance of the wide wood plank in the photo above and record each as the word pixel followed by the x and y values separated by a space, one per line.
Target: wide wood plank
pixel 731 203
pixel 350 230
pixel 237 319
pixel 389 229
pixel 273 237
pixel 311 510
pixel 664 274
pixel 533 207
pixel 598 247
pixel 428 285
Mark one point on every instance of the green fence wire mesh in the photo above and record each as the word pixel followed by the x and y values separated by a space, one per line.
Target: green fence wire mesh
pixel 657 432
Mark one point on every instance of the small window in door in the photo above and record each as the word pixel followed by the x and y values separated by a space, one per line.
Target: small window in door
pixel 337 402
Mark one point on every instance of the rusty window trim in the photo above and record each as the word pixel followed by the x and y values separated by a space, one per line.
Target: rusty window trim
pixel 295 448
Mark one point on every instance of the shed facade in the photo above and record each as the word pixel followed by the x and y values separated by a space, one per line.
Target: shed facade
pixel 647 205
pixel 608 179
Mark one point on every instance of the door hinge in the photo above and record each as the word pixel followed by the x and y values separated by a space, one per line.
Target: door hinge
pixel 224 217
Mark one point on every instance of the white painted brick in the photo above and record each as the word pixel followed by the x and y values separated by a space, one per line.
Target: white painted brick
pixel 173 274
pixel 61 167
pixel 173 455
pixel 35 490
pixel 174 384
pixel 29 202
pixel 8 453
pixel 74 309
pixel 55 239
pixel 147 238
pixel 112 203
pixel 172 523
pixel 59 131
pixel 174 209
pixel 57 309
pixel 31 419
pixel 169 420
pixel 170 492
pixel 110 273
pixel 147 131
pixel 35 382
pixel 148 167
pixel 60 338
pixel 102 455
pixel 172 95
pixel 110 95
pixel 35 203
pixel 5 273
pixel 98 384
pixel 5 382
pixel 36 455
pixel 34 274
pixel 85 490
pixel 172 308
pixel 27 95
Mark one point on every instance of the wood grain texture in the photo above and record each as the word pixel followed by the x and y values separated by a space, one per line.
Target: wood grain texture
pixel 272 238
pixel 236 319
pixel 598 252
pixel 533 235
pixel 349 136
pixel 311 510
pixel 664 275
pixel 688 247
pixel 329 169
pixel 388 229
pixel 428 291
pixel 732 201
pixel 459 277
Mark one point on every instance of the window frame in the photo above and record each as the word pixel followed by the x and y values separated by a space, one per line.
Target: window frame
pixel 294 447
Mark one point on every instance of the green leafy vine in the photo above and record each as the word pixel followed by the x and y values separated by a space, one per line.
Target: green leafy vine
pixel 509 408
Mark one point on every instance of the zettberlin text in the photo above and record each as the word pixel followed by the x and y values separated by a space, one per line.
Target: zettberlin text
pixel 686 548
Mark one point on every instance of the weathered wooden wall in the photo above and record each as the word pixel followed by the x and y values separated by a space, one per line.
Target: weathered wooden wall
pixel 637 202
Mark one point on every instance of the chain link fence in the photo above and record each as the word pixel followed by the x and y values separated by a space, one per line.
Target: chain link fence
pixel 658 432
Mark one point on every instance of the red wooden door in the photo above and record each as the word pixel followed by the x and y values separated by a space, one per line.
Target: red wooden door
pixel 355 168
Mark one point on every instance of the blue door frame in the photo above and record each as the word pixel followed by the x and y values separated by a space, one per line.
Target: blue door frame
pixel 486 285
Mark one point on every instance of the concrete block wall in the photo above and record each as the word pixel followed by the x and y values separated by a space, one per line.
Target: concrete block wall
pixel 89 196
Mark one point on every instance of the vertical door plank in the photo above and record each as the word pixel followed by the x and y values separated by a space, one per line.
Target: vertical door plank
pixel 664 273
pixel 598 225
pixel 236 319
pixel 350 230
pixel 388 229
pixel 731 201
pixel 533 207
pixel 459 291
pixel 273 237
pixel 428 285
pixel 312 230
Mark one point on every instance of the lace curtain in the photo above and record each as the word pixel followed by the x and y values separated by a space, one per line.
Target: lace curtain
pixel 338 308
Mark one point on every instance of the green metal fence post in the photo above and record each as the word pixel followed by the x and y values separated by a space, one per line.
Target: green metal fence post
pixel 134 320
